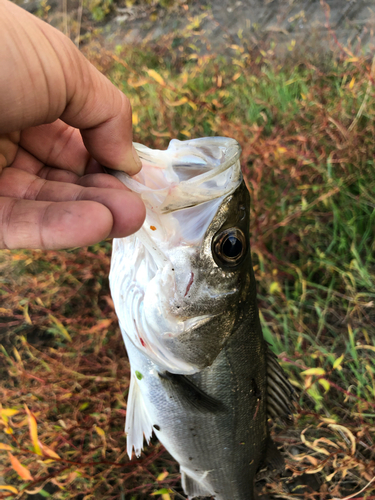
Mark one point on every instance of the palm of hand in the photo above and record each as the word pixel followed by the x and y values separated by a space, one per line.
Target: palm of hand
pixel 54 195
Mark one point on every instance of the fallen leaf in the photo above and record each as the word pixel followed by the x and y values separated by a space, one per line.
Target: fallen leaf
pixel 5 487
pixel 313 371
pixel 8 412
pixel 33 428
pixel 20 469
pixel 47 451
pixel 162 476
pixel 5 447
pixel 346 431
pixel 156 76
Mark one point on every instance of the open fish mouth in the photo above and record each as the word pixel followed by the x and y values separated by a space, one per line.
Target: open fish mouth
pixel 186 174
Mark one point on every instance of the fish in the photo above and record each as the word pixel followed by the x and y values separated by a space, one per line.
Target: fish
pixel 203 379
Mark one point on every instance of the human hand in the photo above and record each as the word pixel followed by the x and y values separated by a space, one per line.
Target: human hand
pixel 60 120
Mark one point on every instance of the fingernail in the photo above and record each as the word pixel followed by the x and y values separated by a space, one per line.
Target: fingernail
pixel 136 159
pixel 131 163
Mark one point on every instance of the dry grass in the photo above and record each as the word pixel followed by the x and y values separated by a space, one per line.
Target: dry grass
pixel 307 133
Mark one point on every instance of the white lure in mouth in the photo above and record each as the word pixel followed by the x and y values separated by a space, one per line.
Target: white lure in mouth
pixel 153 279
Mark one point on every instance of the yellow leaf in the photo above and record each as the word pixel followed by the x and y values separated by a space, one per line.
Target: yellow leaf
pixel 312 460
pixel 17 355
pixel 236 76
pixel 324 383
pixel 47 451
pixel 193 105
pixel 328 420
pixel 4 446
pixel 104 323
pixel 8 412
pixel 314 371
pixel 370 347
pixel 238 62
pixel 61 328
pixel 8 430
pixel 185 132
pixel 180 102
pixel 33 428
pixel 162 492
pixel 99 431
pixel 137 83
pixel 20 469
pixel 135 120
pixel 68 395
pixel 166 496
pixel 304 97
pixel 5 311
pixel 275 288
pixel 314 471
pixel 346 431
pixel 162 476
pixel 156 77
pixel 5 487
pixel 26 314
pixel 281 150
pixel 338 362
pixel 352 81
pixel 160 134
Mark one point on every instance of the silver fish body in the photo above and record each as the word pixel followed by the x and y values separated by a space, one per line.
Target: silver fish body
pixel 185 294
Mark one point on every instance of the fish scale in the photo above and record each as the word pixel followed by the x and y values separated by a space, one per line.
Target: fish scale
pixel 185 294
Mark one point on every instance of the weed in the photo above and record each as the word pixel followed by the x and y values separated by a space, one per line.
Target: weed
pixel 308 159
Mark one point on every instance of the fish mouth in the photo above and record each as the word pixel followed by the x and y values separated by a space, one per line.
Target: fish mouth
pixel 187 174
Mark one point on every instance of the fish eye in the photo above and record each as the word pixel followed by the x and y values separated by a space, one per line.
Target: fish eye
pixel 229 247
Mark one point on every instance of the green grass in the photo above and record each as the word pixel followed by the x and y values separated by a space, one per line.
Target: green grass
pixel 308 160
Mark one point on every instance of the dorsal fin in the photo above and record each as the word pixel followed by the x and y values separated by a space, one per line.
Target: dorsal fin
pixel 280 392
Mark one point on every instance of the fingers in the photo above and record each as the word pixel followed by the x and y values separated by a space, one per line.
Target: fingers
pixel 57 145
pixel 8 148
pixel 126 209
pixel 45 77
pixel 52 226
pixel 101 181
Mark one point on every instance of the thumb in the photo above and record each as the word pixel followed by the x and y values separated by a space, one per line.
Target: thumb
pixel 50 79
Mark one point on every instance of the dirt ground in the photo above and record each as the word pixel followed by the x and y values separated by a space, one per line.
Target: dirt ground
pixel 312 26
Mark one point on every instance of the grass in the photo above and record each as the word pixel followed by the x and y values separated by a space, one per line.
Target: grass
pixel 307 134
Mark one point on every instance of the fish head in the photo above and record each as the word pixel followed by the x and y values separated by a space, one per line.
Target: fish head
pixel 182 282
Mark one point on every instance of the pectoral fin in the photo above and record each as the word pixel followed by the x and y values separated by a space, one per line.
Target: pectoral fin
pixel 187 391
pixel 280 392
pixel 138 425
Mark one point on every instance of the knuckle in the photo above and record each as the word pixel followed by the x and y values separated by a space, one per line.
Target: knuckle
pixel 8 148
